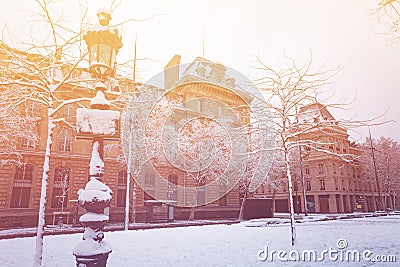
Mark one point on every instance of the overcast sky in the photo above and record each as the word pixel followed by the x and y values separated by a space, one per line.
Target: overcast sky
pixel 340 32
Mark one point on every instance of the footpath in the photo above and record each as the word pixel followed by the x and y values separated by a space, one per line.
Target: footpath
pixel 279 218
pixel 284 218
pixel 110 227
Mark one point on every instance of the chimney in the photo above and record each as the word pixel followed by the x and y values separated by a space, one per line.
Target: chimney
pixel 171 72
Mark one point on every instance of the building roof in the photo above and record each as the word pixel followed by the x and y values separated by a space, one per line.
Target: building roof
pixel 316 110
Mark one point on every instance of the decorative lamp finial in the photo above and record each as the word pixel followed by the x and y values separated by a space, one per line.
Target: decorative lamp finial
pixel 104 16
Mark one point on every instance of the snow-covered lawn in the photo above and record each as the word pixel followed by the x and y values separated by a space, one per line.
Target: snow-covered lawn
pixel 220 245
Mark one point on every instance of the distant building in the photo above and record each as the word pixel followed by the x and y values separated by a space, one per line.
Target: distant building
pixel 332 185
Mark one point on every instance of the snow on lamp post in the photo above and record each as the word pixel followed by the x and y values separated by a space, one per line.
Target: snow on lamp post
pixel 98 123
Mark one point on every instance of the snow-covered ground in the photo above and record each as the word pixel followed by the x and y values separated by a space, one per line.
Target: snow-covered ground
pixel 224 245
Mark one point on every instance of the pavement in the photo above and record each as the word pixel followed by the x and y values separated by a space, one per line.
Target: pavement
pixel 279 218
pixel 70 229
pixel 284 218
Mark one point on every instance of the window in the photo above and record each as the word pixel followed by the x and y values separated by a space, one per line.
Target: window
pixel 121 197
pixel 65 140
pixel 338 143
pixel 320 168
pixel 334 168
pixel 149 186
pixel 69 111
pixel 59 197
pixel 343 184
pixel 149 179
pixel 220 111
pixel 295 186
pixel 27 142
pixel 121 192
pixel 24 172
pixel 350 187
pixel 21 191
pixel 322 183
pixel 172 192
pixel 201 71
pixel 223 195
pixel 331 143
pixel 201 192
pixel 320 144
pixel 307 169
pixel 308 185
pixel 20 197
pixel 28 137
pixel 122 175
pixel 336 185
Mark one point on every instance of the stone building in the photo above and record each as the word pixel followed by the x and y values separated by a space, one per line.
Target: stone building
pixel 20 183
pixel 333 185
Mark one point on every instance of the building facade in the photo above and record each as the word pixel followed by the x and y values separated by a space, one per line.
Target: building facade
pixel 332 183
pixel 21 177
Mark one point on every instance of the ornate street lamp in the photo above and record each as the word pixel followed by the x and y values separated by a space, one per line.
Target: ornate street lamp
pixel 97 122
pixel 103 43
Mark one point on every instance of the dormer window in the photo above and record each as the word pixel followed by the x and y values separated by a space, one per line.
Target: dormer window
pixel 230 82
pixel 201 71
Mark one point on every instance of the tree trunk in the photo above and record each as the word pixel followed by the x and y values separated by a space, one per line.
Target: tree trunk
pixel 289 177
pixel 134 201
pixel 191 215
pixel 194 203
pixel 243 205
pixel 273 203
pixel 37 261
pixel 128 184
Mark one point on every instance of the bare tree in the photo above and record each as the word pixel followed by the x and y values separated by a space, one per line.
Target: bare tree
pixel 142 131
pixel 250 180
pixel 47 70
pixel 18 124
pixel 388 13
pixel 295 94
pixel 206 149
pixel 387 161
pixel 44 73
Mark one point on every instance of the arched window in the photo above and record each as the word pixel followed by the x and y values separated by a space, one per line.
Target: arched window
pixel 24 172
pixel 21 191
pixel 59 197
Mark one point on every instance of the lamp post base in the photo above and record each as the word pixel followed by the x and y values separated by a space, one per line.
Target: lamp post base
pixel 99 260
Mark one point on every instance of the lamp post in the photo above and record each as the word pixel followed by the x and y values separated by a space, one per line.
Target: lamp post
pixel 98 122
pixel 297 197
